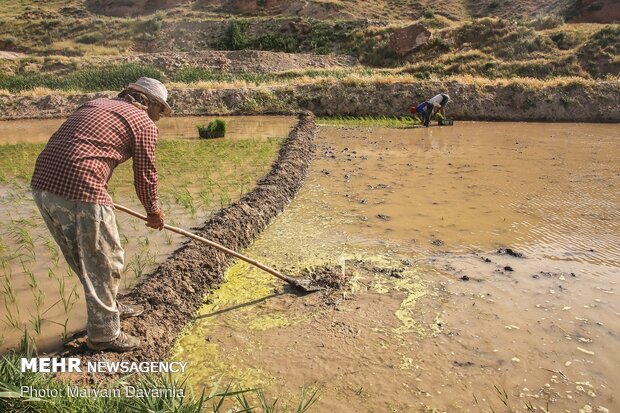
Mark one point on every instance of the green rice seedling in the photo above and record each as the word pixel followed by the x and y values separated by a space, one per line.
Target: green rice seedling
pixel 209 183
pixel 224 195
pixel 244 181
pixel 124 240
pixel 224 198
pixel 168 237
pixel 38 295
pixel 39 300
pixel 53 250
pixel 215 129
pixel 67 300
pixel 306 399
pixel 70 273
pixel 185 199
pixel 503 396
pixel 144 242
pixel 11 316
pixel 368 121
pixel 36 323
pixel 140 260
pixel 205 195
pixel 24 241
pixel 5 254
pixel 32 280
pixel 8 292
pixel 67 303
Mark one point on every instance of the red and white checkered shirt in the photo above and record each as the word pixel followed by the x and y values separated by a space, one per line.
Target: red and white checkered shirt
pixel 79 158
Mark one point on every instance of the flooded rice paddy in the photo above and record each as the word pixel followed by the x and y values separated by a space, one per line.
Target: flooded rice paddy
pixel 197 177
pixel 484 260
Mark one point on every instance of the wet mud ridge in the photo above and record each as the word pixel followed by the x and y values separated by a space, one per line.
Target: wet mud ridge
pixel 176 289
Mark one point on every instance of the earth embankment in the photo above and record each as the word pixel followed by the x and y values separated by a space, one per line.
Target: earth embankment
pixel 518 100
pixel 176 289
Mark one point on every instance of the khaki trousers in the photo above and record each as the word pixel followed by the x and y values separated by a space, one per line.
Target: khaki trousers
pixel 88 238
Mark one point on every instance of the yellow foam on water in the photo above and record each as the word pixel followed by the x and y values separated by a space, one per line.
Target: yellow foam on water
pixel 247 287
pixel 243 286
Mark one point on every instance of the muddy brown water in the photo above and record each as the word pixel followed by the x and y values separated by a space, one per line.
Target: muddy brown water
pixel 461 326
pixel 40 130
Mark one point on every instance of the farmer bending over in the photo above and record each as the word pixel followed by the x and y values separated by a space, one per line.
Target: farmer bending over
pixel 436 104
pixel 69 186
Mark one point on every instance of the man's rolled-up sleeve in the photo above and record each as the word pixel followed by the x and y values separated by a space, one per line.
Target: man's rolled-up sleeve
pixel 144 169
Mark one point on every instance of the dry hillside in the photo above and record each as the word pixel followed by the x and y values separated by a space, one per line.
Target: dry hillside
pixel 92 45
pixel 598 11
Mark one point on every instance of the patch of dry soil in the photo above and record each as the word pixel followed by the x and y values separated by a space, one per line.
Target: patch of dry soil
pixel 241 61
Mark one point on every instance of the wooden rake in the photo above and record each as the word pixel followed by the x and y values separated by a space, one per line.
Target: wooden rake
pixel 302 284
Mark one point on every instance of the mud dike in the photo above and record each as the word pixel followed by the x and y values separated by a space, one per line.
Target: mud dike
pixel 176 289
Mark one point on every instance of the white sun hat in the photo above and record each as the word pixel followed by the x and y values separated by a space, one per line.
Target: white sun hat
pixel 153 88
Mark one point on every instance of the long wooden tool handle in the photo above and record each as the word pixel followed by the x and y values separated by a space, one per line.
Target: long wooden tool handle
pixel 212 244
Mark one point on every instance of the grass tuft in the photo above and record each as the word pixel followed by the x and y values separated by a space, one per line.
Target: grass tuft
pixel 114 77
pixel 178 397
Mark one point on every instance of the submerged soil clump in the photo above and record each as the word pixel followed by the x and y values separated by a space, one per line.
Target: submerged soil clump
pixel 176 289
pixel 335 282
pixel 328 277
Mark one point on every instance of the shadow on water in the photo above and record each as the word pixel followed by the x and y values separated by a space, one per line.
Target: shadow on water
pixel 239 306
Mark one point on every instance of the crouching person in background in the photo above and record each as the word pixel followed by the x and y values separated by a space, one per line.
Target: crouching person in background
pixel 425 109
pixel 436 104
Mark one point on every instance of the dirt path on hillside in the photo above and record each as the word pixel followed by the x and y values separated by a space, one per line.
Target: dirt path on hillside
pixel 241 61
pixel 173 293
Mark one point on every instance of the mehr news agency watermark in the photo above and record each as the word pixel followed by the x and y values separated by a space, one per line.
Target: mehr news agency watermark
pixel 74 365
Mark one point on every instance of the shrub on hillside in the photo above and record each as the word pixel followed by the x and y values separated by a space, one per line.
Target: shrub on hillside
pixel 380 54
pixel 508 41
pixel 149 30
pixel 275 42
pixel 429 13
pixel 599 55
pixel 482 31
pixel 8 41
pixel 90 38
pixel 235 37
pixel 316 36
pixel 567 40
pixel 436 22
pixel 154 24
pixel 547 22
